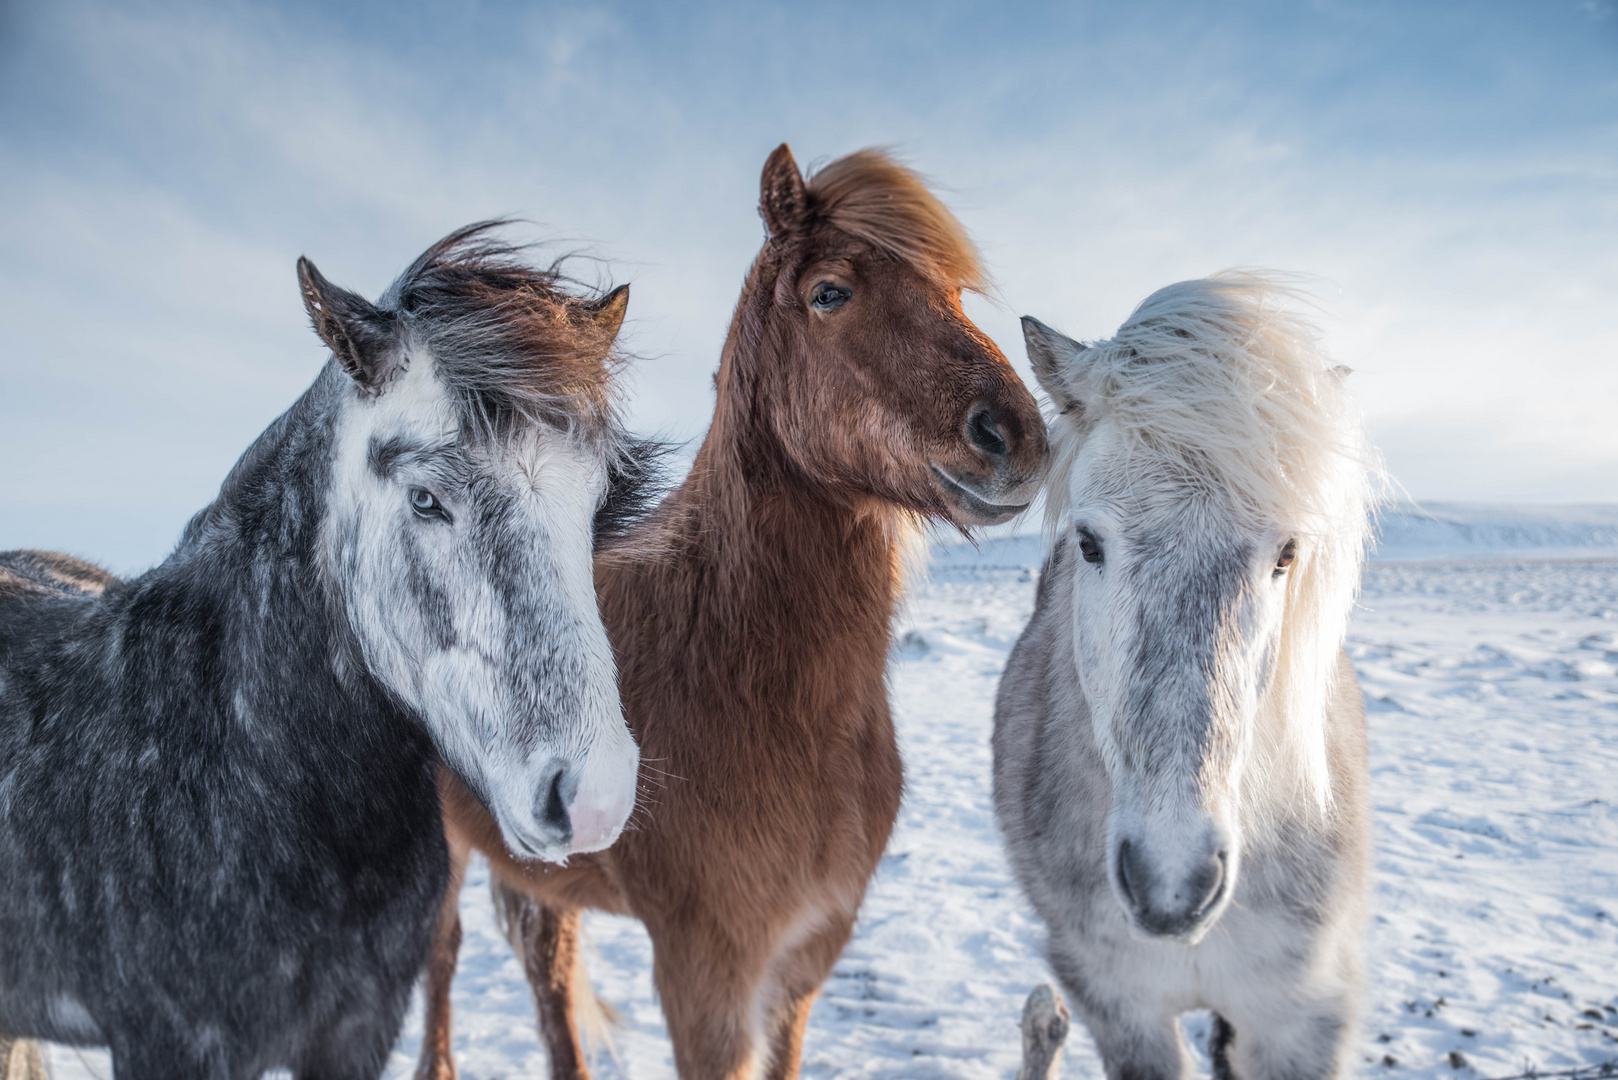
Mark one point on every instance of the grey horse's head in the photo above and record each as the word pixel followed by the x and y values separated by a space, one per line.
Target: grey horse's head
pixel 1211 489
pixel 475 444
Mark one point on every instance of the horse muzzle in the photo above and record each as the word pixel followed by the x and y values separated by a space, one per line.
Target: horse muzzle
pixel 1000 467
pixel 1174 895
pixel 576 807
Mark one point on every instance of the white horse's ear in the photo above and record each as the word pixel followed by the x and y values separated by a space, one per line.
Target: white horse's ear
pixel 1342 371
pixel 1052 355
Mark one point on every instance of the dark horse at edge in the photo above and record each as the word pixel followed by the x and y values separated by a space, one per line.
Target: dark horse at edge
pixel 220 842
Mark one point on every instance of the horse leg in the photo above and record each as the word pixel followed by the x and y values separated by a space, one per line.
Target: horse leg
pixel 1288 1040
pixel 709 985
pixel 1219 1042
pixel 547 938
pixel 1136 1040
pixel 800 975
pixel 162 1054
pixel 436 1061
pixel 21 1059
pixel 354 1048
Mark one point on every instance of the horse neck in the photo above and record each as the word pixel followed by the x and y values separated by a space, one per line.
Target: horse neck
pixel 250 563
pixel 775 567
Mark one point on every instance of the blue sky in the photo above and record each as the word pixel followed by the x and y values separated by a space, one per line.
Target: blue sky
pixel 1445 174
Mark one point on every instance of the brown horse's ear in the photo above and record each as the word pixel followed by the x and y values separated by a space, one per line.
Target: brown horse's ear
pixel 782 200
pixel 1052 355
pixel 360 335
pixel 608 312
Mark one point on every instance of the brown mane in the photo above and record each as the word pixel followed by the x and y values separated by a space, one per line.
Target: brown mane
pixel 510 339
pixel 872 197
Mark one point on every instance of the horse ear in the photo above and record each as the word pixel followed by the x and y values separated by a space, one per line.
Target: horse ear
pixel 608 312
pixel 1052 355
pixel 360 335
pixel 782 200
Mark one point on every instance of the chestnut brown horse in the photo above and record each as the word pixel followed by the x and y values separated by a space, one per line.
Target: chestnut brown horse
pixel 750 618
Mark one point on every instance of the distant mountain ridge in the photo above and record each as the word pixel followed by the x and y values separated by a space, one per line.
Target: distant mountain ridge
pixel 1407 531
pixel 1439 530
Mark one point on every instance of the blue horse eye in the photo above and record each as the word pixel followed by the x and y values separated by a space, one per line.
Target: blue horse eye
pixel 426 504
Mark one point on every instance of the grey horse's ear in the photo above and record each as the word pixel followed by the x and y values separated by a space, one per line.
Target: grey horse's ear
pixel 608 312
pixel 1052 354
pixel 361 336
pixel 1342 371
pixel 783 201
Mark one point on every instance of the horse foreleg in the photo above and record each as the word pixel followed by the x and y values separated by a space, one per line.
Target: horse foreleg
pixel 799 975
pixel 21 1059
pixel 1219 1040
pixel 786 1043
pixel 1292 1039
pixel 709 984
pixel 547 938
pixel 436 1061
pixel 1136 1038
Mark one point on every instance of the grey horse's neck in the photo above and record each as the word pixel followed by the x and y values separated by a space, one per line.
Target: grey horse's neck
pixel 271 502
pixel 248 565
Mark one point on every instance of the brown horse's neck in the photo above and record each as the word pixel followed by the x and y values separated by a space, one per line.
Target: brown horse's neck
pixel 781 549
pixel 762 561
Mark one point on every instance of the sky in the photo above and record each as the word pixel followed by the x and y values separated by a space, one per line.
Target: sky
pixel 1443 176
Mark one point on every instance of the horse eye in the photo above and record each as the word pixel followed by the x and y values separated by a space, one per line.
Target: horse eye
pixel 1090 547
pixel 426 504
pixel 1289 555
pixel 828 296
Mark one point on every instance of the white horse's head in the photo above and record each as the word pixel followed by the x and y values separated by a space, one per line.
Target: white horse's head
pixel 475 447
pixel 1210 488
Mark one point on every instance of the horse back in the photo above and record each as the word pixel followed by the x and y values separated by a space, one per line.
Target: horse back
pixel 50 573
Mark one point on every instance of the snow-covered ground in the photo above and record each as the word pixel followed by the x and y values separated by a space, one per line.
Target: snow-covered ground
pixel 1490 670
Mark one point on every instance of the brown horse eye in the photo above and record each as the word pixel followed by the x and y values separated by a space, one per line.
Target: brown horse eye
pixel 828 296
pixel 1289 555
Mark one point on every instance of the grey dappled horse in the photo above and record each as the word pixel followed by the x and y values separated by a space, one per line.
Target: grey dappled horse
pixel 1179 746
pixel 220 843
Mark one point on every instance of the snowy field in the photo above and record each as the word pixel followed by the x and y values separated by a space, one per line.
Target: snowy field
pixel 1487 650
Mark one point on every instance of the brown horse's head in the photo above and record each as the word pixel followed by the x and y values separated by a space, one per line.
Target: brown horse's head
pixel 851 349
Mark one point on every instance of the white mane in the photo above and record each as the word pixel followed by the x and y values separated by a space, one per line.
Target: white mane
pixel 1220 382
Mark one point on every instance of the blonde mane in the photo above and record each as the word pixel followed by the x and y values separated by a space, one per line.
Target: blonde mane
pixel 872 197
pixel 1222 382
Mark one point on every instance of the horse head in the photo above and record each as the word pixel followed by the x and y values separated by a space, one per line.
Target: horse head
pixel 872 378
pixel 475 446
pixel 1209 504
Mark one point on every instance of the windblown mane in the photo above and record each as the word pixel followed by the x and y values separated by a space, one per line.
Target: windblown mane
pixel 507 337
pixel 872 197
pixel 1221 381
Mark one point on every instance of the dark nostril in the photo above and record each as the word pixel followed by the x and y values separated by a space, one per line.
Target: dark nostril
pixel 1130 879
pixel 1207 884
pixel 984 433
pixel 555 813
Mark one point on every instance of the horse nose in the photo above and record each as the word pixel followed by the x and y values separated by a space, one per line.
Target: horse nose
pixel 985 433
pixel 1008 435
pixel 551 805
pixel 603 794
pixel 1170 905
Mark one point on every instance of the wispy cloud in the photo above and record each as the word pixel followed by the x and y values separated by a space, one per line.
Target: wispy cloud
pixel 1444 171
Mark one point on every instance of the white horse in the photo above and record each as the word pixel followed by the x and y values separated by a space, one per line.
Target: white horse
pixel 1179 747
